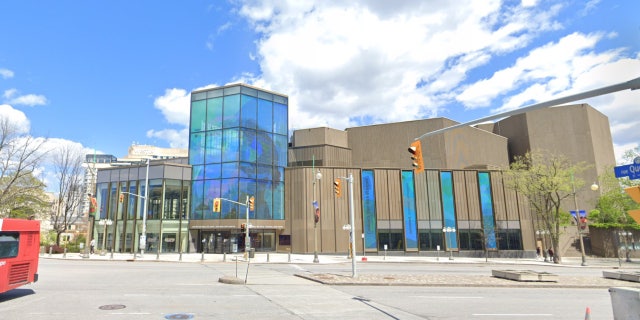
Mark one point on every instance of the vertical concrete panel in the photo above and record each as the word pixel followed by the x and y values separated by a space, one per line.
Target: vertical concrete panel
pixel 460 196
pixel 382 195
pixel 422 198
pixel 497 188
pixel 433 190
pixel 473 198
pixel 395 194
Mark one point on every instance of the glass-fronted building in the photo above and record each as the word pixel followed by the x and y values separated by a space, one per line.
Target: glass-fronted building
pixel 120 194
pixel 238 139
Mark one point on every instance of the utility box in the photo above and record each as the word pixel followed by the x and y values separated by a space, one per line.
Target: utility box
pixel 252 253
pixel 625 302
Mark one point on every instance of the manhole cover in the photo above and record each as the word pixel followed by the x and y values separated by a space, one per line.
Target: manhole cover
pixel 179 316
pixel 112 307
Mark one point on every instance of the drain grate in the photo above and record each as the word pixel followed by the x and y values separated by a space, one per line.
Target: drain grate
pixel 112 307
pixel 176 316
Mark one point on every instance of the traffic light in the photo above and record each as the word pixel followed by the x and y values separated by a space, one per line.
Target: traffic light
pixel 216 205
pixel 251 204
pixel 336 187
pixel 416 156
pixel 243 227
pixel 121 198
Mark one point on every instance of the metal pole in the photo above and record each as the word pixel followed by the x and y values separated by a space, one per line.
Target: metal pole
pixel 575 201
pixel 143 236
pixel 352 223
pixel 247 239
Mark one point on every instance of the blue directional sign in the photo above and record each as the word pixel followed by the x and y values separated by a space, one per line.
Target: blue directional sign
pixel 583 213
pixel 632 171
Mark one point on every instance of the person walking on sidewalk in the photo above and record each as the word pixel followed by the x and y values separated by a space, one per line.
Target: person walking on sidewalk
pixel 92 246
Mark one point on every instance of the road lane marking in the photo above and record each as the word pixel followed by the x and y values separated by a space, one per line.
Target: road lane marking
pixel 512 314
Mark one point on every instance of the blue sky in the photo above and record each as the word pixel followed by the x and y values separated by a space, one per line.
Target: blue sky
pixel 104 75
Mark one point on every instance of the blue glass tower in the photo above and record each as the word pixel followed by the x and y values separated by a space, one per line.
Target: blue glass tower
pixel 238 148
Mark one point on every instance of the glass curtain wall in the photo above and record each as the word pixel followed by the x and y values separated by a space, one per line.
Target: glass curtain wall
pixel 238 148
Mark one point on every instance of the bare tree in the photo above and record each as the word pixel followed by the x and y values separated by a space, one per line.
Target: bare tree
pixel 20 155
pixel 67 165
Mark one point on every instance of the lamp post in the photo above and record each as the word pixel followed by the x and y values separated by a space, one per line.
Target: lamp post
pixel 143 236
pixel 447 231
pixel 105 223
pixel 317 176
pixel 625 237
pixel 543 234
pixel 594 187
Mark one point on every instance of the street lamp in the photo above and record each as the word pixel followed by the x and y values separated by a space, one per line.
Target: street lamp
pixel 542 234
pixel 594 187
pixel 625 237
pixel 104 223
pixel 447 231
pixel 317 176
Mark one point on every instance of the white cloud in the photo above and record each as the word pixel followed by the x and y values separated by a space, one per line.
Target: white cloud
pixel 174 105
pixel 175 138
pixel 6 73
pixel 16 117
pixel 12 97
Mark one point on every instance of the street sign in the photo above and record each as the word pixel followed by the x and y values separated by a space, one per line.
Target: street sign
pixel 583 213
pixel 632 171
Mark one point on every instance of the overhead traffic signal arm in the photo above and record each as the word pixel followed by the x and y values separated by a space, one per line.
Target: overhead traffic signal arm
pixel 416 156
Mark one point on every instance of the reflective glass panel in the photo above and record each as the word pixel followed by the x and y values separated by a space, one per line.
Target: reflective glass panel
pixel 214 114
pixel 280 151
pixel 265 115
pixel 229 190
pixel 248 189
pixel 230 170
pixel 230 145
pixel 278 201
pixel 198 115
pixel 280 116
pixel 247 145
pixel 197 172
pixel 212 190
pixel 213 171
pixel 247 170
pixel 231 111
pixel 264 148
pixel 198 207
pixel 249 110
pixel 213 153
pixel 196 148
pixel 265 172
pixel 264 200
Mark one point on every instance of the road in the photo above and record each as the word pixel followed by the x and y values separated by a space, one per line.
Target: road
pixel 77 289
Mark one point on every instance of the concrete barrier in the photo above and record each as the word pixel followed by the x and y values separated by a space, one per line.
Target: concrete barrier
pixel 525 275
pixel 633 276
pixel 625 302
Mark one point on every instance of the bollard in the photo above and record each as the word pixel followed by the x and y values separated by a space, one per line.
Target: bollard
pixel 50 251
pixel 111 254
pixel 64 254
pixel 180 259
pixel 224 257
pixel 267 257
pixel 289 257
pixel 202 259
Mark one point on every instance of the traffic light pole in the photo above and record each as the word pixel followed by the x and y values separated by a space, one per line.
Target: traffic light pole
pixel 248 205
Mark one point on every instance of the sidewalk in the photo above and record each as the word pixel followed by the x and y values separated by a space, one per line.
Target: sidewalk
pixel 259 257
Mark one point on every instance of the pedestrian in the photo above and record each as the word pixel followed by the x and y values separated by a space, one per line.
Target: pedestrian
pixel 92 246
pixel 538 252
pixel 550 251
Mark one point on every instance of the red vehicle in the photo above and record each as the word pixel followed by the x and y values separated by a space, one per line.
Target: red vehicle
pixel 19 249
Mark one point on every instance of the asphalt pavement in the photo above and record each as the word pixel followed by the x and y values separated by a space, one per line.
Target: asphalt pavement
pixel 421 279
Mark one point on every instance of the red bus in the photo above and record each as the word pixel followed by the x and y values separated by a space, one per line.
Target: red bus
pixel 19 249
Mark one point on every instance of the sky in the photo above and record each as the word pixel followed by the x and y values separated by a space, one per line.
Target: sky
pixel 103 75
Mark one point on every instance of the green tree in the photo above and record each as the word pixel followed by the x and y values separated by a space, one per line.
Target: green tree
pixel 546 179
